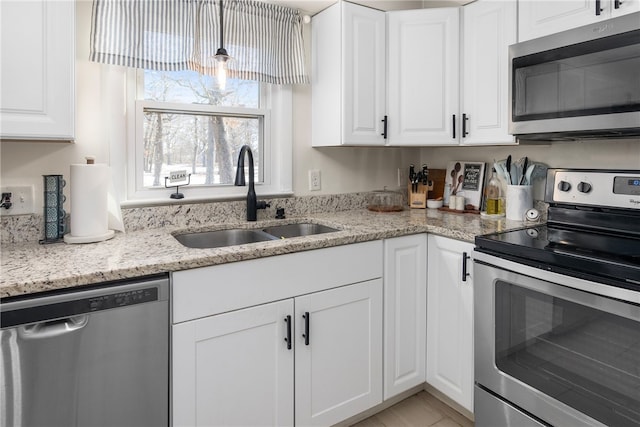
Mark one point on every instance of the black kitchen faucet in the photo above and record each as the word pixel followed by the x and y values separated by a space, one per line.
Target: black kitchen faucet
pixel 252 204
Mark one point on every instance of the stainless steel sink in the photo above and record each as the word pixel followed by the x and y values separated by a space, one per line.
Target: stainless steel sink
pixel 240 236
pixel 297 230
pixel 221 238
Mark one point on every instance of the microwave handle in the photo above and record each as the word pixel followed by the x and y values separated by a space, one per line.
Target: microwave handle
pixel 598 8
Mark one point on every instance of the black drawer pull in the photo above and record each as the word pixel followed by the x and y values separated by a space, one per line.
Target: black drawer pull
pixel 306 318
pixel 465 257
pixel 287 339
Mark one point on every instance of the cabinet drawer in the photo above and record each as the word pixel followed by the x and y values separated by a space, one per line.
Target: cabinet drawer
pixel 217 289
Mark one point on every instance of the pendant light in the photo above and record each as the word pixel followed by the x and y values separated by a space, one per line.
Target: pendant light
pixel 221 55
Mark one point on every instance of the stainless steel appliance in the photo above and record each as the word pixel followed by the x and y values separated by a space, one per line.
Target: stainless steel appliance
pixel 557 309
pixel 580 83
pixel 95 357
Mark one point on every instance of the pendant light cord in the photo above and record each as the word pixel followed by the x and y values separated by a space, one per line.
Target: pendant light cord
pixel 221 26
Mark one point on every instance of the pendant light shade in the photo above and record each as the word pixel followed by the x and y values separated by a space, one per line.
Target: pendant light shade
pixel 221 56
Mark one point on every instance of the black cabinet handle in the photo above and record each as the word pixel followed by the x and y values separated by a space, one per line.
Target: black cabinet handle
pixel 616 4
pixel 287 339
pixel 454 126
pixel 465 257
pixel 598 8
pixel 465 118
pixel 306 318
pixel 384 127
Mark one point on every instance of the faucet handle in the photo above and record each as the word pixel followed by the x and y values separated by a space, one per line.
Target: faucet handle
pixel 261 204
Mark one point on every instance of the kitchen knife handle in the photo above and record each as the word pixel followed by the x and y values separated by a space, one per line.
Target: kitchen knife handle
pixel 464 125
pixel 598 8
pixel 465 257
pixel 287 339
pixel 454 126
pixel 306 318
pixel 384 127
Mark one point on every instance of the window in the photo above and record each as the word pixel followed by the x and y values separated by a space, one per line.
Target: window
pixel 183 122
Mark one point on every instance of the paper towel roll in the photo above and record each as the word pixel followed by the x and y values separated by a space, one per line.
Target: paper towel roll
pixel 89 214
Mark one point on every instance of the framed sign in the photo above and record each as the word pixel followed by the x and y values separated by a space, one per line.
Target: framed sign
pixel 466 179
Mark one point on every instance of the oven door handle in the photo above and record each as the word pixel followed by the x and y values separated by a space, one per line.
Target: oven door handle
pixel 465 273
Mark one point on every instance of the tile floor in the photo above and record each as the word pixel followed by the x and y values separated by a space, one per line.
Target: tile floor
pixel 419 410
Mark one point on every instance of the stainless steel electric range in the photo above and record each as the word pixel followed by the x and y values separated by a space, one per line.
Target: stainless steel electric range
pixel 557 308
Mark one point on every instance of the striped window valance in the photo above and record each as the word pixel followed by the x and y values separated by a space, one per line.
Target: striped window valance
pixel 264 40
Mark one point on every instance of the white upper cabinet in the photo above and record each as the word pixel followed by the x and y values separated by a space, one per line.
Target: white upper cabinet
pixel 37 55
pixel 348 76
pixel 489 27
pixel 423 76
pixel 540 18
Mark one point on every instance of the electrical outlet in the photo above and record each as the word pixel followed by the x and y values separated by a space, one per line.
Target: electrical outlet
pixel 22 199
pixel 314 180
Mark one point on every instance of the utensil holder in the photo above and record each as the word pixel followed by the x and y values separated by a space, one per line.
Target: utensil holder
pixel 54 214
pixel 519 201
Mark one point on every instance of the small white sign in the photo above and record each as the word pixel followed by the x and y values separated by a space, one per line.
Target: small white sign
pixel 177 176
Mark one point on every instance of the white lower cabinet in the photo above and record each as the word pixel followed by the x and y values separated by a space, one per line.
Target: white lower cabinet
pixel 450 319
pixel 405 313
pixel 234 369
pixel 239 339
pixel 338 353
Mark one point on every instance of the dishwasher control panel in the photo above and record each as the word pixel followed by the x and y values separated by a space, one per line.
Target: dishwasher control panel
pixel 121 299
pixel 65 306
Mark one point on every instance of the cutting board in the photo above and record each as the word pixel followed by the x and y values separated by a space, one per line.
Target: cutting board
pixel 438 178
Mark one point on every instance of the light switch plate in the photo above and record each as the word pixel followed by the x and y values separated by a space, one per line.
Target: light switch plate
pixel 314 180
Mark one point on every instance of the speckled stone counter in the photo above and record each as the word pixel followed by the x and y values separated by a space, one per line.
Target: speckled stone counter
pixel 29 267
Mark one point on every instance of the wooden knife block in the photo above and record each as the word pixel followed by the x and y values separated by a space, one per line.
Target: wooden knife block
pixel 418 200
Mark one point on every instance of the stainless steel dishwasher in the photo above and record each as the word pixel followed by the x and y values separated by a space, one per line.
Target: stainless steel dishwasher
pixel 95 357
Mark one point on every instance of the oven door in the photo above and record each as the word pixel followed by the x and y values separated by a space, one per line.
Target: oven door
pixel 562 349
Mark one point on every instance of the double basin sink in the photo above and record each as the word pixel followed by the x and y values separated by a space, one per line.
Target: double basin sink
pixel 241 236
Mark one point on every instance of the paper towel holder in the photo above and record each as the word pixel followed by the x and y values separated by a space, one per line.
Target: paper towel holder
pixel 177 194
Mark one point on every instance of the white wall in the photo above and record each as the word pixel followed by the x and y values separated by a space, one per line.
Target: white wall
pixel 100 122
pixel 608 154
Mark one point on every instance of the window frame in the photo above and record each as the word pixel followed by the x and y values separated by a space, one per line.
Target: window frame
pixel 276 155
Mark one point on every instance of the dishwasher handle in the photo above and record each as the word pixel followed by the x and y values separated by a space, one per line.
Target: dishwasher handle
pixel 54 328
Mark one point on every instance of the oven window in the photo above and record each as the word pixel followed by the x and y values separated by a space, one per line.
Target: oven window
pixel 583 357
pixel 591 78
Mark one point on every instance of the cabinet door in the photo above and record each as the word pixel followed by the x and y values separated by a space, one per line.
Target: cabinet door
pixel 364 75
pixel 423 77
pixel 540 18
pixel 450 319
pixel 489 28
pixel 405 313
pixel 338 363
pixel 348 98
pixel 37 57
pixel 234 369
pixel 623 7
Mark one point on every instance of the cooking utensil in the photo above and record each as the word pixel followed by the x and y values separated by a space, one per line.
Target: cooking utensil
pixel 526 178
pixel 508 169
pixel 524 170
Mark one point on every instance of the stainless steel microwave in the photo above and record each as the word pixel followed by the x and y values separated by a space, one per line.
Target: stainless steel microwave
pixel 580 83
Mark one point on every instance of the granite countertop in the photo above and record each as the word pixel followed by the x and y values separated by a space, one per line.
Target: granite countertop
pixel 29 267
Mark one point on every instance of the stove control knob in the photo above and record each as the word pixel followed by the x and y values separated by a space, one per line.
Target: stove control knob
pixel 564 186
pixel 584 187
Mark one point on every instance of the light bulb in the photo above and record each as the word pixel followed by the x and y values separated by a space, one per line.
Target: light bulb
pixel 221 75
